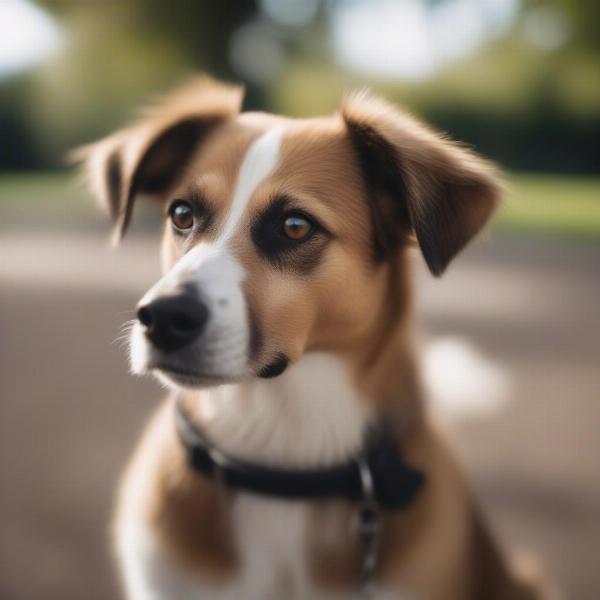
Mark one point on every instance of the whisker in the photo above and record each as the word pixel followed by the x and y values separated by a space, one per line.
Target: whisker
pixel 124 332
pixel 127 325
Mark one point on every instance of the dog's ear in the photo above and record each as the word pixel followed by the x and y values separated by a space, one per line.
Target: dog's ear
pixel 419 181
pixel 148 156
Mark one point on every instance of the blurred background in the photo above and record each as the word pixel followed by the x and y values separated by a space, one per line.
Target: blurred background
pixel 519 80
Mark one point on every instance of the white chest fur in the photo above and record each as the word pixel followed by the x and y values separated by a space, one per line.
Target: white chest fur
pixel 312 415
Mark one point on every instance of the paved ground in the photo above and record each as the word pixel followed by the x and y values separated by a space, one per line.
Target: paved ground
pixel 70 413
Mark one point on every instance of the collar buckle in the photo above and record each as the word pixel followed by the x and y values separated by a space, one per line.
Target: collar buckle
pixel 368 527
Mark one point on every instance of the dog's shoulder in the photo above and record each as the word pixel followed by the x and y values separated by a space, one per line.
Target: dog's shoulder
pixel 177 510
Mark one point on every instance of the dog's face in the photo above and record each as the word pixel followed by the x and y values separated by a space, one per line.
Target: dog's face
pixel 282 236
pixel 268 234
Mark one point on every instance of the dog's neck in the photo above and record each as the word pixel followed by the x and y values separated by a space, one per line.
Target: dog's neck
pixel 314 414
pixel 311 415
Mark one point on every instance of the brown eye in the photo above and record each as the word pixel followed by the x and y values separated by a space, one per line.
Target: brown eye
pixel 182 215
pixel 297 227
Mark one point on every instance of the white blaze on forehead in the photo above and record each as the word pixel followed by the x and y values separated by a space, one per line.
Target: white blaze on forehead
pixel 260 161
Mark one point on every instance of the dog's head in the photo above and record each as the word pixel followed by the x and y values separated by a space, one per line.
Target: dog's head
pixel 282 236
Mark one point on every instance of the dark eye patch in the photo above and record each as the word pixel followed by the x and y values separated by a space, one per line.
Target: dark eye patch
pixel 282 252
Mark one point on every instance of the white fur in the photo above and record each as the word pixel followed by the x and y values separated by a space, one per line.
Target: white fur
pixel 312 414
pixel 222 350
pixel 148 571
pixel 260 161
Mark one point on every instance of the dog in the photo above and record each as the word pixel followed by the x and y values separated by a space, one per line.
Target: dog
pixel 282 326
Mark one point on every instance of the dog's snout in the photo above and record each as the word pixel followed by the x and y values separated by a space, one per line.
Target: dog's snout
pixel 172 322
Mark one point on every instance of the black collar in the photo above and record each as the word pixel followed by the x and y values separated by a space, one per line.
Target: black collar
pixel 394 483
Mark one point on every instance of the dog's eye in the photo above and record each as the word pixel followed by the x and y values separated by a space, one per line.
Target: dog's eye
pixel 297 227
pixel 182 215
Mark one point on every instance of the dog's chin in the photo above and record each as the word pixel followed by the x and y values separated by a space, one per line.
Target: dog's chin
pixel 185 371
pixel 181 378
pixel 182 370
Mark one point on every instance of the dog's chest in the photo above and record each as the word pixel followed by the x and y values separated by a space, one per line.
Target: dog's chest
pixel 311 415
pixel 274 554
pixel 271 537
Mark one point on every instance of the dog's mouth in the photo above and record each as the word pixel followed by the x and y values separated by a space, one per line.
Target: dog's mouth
pixel 188 377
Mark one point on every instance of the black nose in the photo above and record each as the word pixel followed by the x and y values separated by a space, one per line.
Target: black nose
pixel 171 322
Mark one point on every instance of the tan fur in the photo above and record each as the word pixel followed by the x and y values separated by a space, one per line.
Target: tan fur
pixel 189 514
pixel 424 549
pixel 351 305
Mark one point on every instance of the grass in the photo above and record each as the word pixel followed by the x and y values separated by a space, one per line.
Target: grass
pixel 540 205
pixel 44 194
pixel 550 205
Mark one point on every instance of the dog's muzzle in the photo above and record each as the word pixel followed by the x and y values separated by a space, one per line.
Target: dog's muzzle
pixel 192 326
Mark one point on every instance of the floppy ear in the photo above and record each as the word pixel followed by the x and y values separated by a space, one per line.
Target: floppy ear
pixel 418 179
pixel 148 156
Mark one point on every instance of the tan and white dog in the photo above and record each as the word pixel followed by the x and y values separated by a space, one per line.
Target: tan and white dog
pixel 283 322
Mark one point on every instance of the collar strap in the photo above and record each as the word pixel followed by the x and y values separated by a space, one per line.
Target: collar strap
pixel 393 484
